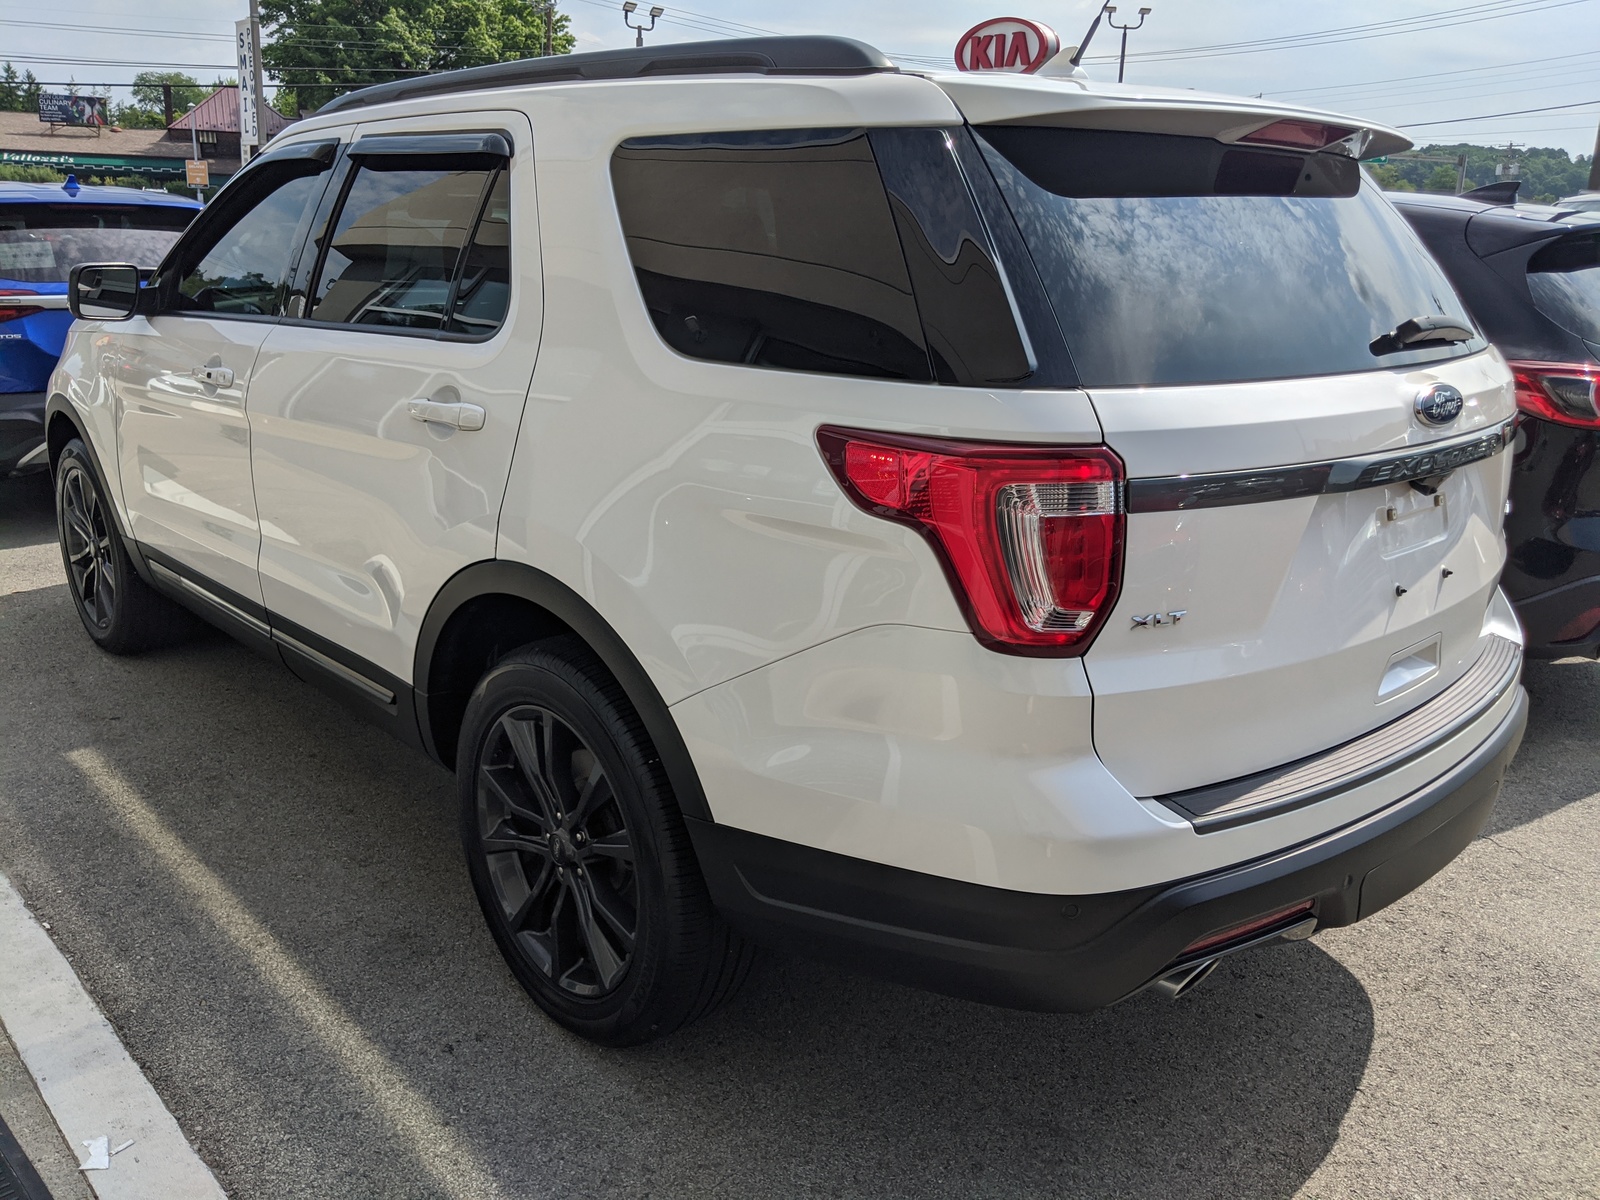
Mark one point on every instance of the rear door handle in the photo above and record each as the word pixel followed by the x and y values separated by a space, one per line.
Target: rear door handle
pixel 456 415
pixel 215 376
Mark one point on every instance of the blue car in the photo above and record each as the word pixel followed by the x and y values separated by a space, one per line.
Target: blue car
pixel 46 230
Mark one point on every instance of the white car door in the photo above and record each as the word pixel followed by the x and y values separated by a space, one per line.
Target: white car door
pixel 182 375
pixel 384 409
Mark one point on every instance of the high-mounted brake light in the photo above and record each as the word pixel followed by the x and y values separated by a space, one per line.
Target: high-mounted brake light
pixel 1566 393
pixel 1298 135
pixel 1030 536
pixel 10 310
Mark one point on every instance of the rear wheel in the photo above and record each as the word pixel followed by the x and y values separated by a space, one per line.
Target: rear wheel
pixel 579 855
pixel 118 609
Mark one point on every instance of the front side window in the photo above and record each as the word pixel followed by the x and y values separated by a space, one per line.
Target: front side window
pixel 1180 260
pixel 41 243
pixel 239 263
pixel 1564 280
pixel 417 243
pixel 775 250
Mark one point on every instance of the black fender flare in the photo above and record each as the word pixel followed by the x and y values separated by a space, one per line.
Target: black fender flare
pixel 506 578
pixel 57 404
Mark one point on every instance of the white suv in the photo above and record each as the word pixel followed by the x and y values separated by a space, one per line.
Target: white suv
pixel 1024 537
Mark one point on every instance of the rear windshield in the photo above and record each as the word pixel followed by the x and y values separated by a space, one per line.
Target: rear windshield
pixel 40 243
pixel 1178 260
pixel 1564 279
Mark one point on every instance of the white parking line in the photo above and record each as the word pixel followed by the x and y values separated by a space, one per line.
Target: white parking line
pixel 93 1089
pixel 451 1164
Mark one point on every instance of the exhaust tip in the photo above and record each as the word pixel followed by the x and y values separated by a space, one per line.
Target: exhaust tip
pixel 1185 979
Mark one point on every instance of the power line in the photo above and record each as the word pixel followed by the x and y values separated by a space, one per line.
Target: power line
pixel 1412 78
pixel 1356 33
pixel 1496 116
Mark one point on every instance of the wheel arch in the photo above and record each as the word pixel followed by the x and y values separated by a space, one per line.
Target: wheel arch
pixel 61 424
pixel 490 608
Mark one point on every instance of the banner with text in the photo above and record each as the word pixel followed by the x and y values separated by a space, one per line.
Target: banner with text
pixel 249 102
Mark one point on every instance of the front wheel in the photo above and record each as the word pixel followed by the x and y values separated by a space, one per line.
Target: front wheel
pixel 121 612
pixel 579 855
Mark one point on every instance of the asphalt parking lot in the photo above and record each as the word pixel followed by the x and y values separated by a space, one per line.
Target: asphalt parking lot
pixel 266 898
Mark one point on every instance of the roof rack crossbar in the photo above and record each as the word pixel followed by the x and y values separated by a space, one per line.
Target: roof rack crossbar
pixel 762 56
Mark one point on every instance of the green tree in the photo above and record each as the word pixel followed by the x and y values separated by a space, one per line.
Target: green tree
pixel 1440 179
pixel 187 91
pixel 322 48
pixel 10 89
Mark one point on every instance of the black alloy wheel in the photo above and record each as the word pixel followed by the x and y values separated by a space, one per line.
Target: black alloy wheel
pixel 579 855
pixel 120 611
pixel 559 853
pixel 87 547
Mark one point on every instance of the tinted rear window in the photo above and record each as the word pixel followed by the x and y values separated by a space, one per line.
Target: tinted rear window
pixel 1175 260
pixel 1564 279
pixel 41 243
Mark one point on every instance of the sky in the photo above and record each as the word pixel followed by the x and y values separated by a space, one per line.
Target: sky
pixel 1441 70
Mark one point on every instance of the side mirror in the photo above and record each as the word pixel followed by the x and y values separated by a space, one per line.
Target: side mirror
pixel 103 291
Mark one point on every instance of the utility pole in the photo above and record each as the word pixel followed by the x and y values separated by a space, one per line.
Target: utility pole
pixel 547 11
pixel 631 7
pixel 1122 59
pixel 1509 167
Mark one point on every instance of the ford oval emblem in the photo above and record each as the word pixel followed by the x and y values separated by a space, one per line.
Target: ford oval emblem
pixel 1439 404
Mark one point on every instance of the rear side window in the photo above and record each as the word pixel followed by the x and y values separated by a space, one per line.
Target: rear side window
pixel 417 244
pixel 41 243
pixel 787 250
pixel 1178 260
pixel 1564 279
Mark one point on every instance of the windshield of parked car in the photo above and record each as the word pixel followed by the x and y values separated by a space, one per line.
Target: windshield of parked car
pixel 1181 260
pixel 41 243
pixel 1564 279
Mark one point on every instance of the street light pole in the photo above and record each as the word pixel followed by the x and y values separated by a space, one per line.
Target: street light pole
pixel 631 7
pixel 1122 59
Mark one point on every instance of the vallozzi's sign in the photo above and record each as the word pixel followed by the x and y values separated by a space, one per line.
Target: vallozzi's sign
pixel 1007 44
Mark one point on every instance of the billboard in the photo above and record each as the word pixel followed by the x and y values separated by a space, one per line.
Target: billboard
pixel 58 109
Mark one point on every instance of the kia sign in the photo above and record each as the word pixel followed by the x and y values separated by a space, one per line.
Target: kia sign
pixel 1007 44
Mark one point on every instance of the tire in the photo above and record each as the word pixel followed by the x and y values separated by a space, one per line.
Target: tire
pixel 579 854
pixel 120 611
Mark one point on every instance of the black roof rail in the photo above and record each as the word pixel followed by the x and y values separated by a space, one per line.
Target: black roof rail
pixel 761 56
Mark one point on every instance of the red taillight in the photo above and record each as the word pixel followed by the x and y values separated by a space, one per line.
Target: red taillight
pixel 1298 135
pixel 11 311
pixel 1031 536
pixel 1565 393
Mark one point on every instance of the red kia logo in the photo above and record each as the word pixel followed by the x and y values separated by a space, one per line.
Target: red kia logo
pixel 1007 44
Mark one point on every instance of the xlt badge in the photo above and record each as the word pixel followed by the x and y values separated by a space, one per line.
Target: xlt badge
pixel 1166 618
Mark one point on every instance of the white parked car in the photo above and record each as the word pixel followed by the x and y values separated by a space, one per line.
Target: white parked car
pixel 1025 537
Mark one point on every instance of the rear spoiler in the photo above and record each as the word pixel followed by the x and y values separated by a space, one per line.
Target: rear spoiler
pixel 997 99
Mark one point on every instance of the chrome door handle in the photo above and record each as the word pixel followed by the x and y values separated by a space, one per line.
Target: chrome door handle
pixel 455 415
pixel 215 376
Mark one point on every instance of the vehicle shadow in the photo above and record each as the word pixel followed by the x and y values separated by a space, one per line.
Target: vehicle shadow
pixel 1556 765
pixel 27 511
pixel 811 1082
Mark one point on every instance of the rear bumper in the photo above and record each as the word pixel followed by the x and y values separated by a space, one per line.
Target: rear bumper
pixel 21 430
pixel 1076 953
